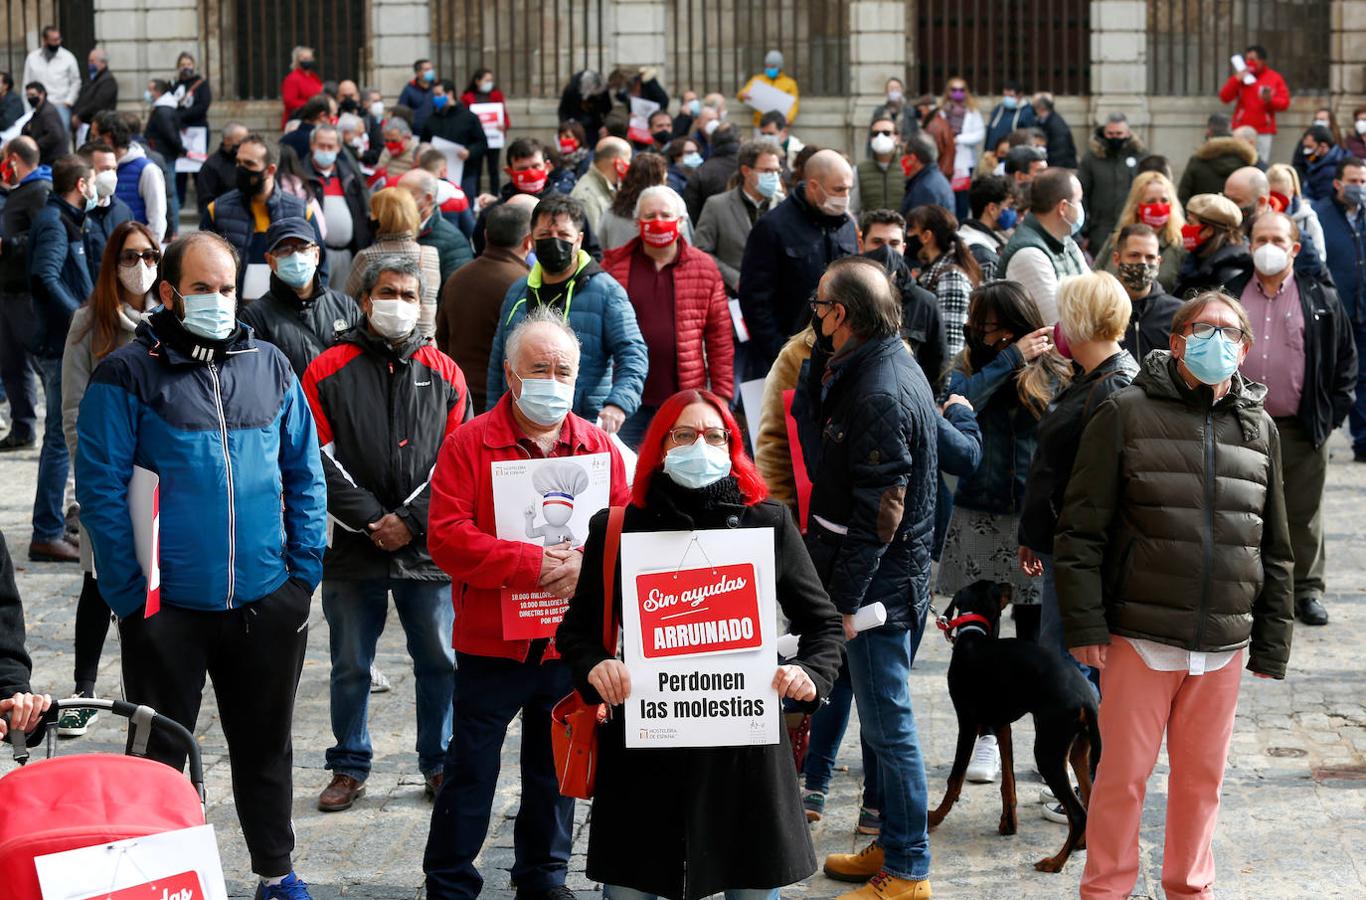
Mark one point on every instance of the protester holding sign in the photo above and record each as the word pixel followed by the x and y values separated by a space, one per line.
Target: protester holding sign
pixel 690 822
pixel 498 676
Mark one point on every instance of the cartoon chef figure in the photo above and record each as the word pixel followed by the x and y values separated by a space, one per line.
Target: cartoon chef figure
pixel 558 483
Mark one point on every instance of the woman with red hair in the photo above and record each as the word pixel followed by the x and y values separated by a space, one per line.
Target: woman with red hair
pixel 685 823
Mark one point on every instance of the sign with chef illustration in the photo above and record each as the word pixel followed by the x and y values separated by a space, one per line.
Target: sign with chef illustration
pixel 699 615
pixel 546 502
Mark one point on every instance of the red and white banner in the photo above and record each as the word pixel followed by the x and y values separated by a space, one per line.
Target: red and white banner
pixel 173 865
pixel 696 611
pixel 699 617
pixel 184 886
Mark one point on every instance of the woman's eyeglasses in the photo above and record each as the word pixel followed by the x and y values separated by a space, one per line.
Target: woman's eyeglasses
pixel 686 437
pixel 131 257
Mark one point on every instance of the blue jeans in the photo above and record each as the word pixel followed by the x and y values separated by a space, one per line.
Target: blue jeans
pixel 49 520
pixel 880 669
pixel 489 693
pixel 1357 421
pixel 1050 623
pixel 827 731
pixel 355 612
pixel 616 892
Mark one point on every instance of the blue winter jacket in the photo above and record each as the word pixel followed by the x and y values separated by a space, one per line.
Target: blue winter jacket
pixel 613 360
pixel 1346 249
pixel 58 273
pixel 1009 435
pixel 927 187
pixel 243 500
pixel 1316 178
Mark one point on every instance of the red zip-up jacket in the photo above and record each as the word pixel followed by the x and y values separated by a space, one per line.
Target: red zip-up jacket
pixel 1251 109
pixel 461 529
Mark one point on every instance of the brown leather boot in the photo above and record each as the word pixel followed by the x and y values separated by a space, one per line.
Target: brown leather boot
pixel 341 793
pixel 59 550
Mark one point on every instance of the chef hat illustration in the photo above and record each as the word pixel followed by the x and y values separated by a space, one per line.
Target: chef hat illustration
pixel 559 483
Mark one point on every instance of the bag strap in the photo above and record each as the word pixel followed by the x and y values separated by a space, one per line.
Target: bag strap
pixel 616 518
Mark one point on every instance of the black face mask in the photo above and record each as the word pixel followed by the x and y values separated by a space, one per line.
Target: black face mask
pixel 890 260
pixel 980 353
pixel 249 182
pixel 554 254
pixel 228 152
pixel 308 65
pixel 825 343
pixel 33 100
pixel 349 105
pixel 186 73
pixel 1115 145
pixel 662 137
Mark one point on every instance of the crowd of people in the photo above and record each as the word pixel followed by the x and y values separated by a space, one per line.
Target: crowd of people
pixel 1130 385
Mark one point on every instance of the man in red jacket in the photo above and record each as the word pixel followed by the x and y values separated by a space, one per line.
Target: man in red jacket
pixel 301 84
pixel 496 676
pixel 1260 93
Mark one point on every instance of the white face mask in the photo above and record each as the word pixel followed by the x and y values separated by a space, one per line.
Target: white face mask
pixel 1360 126
pixel 377 109
pixel 711 126
pixel 137 278
pixel 834 206
pixel 1270 259
pixel 882 143
pixel 105 183
pixel 393 319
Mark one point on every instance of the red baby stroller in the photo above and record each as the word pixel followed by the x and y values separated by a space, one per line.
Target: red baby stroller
pixel 94 798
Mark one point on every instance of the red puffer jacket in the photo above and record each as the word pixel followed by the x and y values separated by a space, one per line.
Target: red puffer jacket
pixel 461 528
pixel 706 351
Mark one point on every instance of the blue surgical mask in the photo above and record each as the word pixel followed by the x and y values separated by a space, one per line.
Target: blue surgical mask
pixel 545 401
pixel 1354 194
pixel 692 160
pixel 93 70
pixel 1081 218
pixel 440 102
pixel 772 72
pixel 1212 360
pixel 694 107
pixel 1007 219
pixel 768 183
pixel 697 465
pixel 324 159
pixel 429 76
pixel 211 316
pixel 296 270
pixel 1010 102
pixel 147 97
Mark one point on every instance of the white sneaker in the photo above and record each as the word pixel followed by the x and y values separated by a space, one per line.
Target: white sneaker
pixel 378 683
pixel 1046 796
pixel 1054 813
pixel 985 765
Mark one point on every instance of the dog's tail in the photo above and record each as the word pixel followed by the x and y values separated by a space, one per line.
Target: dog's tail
pixel 1093 735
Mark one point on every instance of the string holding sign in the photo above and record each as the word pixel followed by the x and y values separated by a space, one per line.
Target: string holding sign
pixel 688 549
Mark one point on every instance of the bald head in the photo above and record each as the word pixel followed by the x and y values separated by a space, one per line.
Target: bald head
pixel 828 182
pixel 1248 188
pixel 825 162
pixel 528 201
pixel 612 148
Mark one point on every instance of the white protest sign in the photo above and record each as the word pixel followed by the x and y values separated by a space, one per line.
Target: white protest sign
pixel 638 127
pixel 175 865
pixel 455 164
pixel 196 142
pixel 699 612
pixel 546 502
pixel 491 117
pixel 764 97
pixel 752 399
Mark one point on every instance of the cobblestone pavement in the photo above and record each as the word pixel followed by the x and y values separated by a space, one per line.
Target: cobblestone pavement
pixel 1292 825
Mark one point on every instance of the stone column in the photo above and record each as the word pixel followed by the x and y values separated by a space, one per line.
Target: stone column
pixel 1347 68
pixel 143 39
pixel 400 32
pixel 636 35
pixel 877 51
pixel 1119 62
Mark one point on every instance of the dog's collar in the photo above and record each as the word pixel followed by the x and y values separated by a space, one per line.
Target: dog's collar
pixel 951 627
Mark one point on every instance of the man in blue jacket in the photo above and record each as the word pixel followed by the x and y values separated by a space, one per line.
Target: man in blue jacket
pixel 222 421
pixel 1343 216
pixel 59 280
pixel 925 181
pixel 565 278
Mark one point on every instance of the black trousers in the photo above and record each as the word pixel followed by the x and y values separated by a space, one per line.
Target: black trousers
pixel 92 627
pixel 253 655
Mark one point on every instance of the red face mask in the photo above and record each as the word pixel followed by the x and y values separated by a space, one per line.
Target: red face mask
pixel 396 148
pixel 6 172
pixel 659 232
pixel 1154 215
pixel 568 144
pixel 1190 235
pixel 906 165
pixel 1279 202
pixel 1060 341
pixel 528 181
pixel 622 166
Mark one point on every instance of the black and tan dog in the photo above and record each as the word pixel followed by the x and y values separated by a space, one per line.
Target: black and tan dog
pixel 995 682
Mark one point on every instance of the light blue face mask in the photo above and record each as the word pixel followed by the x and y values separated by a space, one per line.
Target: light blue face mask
pixel 772 72
pixel 324 159
pixel 1010 102
pixel 697 465
pixel 1081 218
pixel 545 401
pixel 211 316
pixel 296 270
pixel 768 183
pixel 692 160
pixel 1213 360
pixel 694 107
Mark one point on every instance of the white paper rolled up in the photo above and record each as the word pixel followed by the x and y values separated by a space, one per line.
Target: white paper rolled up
pixel 871 616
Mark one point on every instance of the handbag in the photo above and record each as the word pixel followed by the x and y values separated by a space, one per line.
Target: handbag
pixel 574 723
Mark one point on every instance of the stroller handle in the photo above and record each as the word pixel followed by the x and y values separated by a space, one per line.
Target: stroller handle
pixel 143 721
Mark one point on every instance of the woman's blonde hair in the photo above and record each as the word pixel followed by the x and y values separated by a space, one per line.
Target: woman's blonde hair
pixel 1169 234
pixel 1093 307
pixel 1281 173
pixel 395 211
